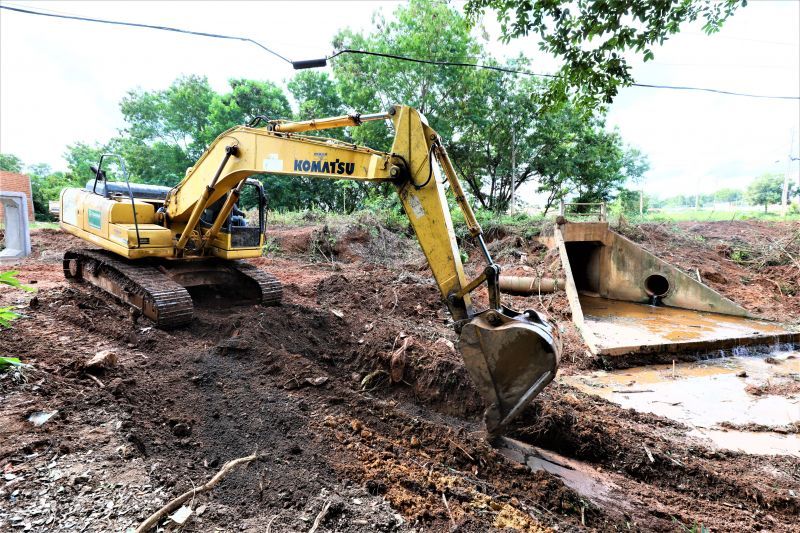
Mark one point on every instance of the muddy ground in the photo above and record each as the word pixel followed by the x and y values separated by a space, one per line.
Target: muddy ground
pixel 306 386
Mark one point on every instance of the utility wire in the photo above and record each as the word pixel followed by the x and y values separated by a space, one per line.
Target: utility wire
pixel 148 26
pixel 528 73
pixel 321 62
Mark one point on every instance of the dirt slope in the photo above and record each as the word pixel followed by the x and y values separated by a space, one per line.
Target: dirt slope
pixel 306 385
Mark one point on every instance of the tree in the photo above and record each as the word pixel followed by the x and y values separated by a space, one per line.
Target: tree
pixel 80 157
pixel 766 189
pixel 424 29
pixel 728 195
pixel 316 95
pixel 11 163
pixel 591 37
pixel 627 202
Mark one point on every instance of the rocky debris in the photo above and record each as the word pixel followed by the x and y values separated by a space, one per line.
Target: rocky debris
pixel 181 430
pixel 101 361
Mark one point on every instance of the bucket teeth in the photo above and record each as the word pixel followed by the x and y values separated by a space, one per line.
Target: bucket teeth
pixel 510 357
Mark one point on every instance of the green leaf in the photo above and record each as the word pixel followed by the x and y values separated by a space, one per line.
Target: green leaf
pixel 9 362
pixel 8 278
pixel 7 316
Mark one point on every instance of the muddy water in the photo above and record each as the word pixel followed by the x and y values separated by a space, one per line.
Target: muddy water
pixel 707 394
pixel 624 327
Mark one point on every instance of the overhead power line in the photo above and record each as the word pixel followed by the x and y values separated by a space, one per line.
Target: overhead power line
pixel 528 73
pixel 148 26
pixel 321 62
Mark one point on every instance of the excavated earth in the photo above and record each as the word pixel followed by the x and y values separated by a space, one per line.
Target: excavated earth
pixel 355 401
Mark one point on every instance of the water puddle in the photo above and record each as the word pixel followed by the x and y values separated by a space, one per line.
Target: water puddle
pixel 708 395
pixel 625 327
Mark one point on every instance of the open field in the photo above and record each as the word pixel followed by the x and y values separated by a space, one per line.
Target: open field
pixel 306 386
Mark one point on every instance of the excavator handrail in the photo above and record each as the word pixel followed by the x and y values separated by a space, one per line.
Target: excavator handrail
pixel 127 184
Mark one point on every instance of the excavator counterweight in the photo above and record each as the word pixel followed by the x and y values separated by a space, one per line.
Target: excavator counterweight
pixel 158 245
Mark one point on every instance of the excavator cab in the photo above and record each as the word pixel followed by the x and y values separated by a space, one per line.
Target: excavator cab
pixel 237 231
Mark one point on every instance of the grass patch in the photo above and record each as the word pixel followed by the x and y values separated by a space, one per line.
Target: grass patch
pixel 702 215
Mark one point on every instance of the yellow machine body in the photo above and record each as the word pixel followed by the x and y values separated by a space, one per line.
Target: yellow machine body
pixel 511 356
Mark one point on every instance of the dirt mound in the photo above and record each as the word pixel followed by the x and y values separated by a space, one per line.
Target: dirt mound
pixel 364 239
pixel 354 398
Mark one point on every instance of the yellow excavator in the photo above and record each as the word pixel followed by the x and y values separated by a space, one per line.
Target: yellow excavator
pixel 157 242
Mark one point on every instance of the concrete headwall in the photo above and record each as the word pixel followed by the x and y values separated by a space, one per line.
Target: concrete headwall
pixel 11 181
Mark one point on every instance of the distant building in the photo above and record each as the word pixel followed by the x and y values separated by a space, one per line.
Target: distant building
pixel 11 181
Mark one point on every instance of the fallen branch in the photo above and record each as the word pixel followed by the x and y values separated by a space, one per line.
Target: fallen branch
pixel 462 450
pixel 96 380
pixel 447 506
pixel 320 517
pixel 173 504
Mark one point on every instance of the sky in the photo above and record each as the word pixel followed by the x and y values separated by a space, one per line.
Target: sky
pixel 61 81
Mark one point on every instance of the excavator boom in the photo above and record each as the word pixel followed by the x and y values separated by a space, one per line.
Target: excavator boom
pixel 510 356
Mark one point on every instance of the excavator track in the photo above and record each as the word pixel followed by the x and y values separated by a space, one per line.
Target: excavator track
pixel 271 288
pixel 153 291
pixel 146 288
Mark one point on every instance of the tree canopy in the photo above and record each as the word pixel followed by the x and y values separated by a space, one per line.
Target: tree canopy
pixel 494 124
pixel 766 189
pixel 591 37
pixel 10 162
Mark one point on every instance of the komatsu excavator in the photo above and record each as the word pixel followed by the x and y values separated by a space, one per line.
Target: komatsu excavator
pixel 157 242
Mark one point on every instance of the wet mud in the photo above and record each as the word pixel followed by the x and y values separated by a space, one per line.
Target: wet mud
pixel 309 387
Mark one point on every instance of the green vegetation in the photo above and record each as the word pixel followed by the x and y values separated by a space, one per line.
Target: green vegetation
pixel 10 163
pixel 766 189
pixel 483 116
pixel 7 314
pixel 555 129
pixel 9 278
pixel 593 38
pixel 8 362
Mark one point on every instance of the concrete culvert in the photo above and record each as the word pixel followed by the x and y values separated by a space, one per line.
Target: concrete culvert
pixel 656 285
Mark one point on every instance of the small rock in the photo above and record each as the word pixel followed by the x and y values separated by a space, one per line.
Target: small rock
pixel 741 374
pixel 329 421
pixel 80 479
pixel 414 443
pixel 181 515
pixel 447 344
pixel 233 344
pixel 318 381
pixel 181 430
pixel 102 360
pixel 772 361
pixel 356 425
pixel 39 419
pixel 365 434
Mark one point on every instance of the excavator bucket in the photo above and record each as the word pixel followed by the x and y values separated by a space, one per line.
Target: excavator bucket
pixel 510 357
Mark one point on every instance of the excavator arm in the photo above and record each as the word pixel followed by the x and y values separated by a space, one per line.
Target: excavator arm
pixel 510 356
